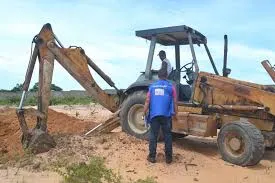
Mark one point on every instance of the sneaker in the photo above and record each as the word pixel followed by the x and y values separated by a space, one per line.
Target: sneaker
pixel 169 160
pixel 151 159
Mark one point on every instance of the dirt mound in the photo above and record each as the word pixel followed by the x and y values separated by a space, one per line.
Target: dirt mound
pixel 58 123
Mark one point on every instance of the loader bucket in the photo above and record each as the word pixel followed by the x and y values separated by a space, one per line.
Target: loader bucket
pixel 36 140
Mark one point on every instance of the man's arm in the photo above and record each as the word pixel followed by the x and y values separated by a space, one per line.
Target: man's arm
pixel 175 100
pixel 147 103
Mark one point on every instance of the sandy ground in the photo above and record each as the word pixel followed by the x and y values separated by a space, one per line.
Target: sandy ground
pixel 93 112
pixel 195 159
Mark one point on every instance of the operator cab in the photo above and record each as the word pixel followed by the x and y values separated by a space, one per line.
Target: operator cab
pixel 175 36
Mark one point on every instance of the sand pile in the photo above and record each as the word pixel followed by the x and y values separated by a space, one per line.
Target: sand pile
pixel 58 123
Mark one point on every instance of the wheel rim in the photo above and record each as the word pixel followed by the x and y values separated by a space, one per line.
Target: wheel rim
pixel 135 119
pixel 234 144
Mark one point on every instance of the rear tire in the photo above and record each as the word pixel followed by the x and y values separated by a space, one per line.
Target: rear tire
pixel 131 115
pixel 241 143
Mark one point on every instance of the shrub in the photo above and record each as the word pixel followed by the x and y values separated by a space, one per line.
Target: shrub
pixel 93 172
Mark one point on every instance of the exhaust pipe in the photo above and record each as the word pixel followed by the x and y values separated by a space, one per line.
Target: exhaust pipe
pixel 225 70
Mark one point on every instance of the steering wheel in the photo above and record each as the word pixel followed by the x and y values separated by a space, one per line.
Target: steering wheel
pixel 188 72
pixel 187 68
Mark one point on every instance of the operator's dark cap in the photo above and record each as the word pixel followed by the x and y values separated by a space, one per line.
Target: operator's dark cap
pixel 161 52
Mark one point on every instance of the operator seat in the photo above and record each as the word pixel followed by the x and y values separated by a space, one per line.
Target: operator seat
pixel 185 91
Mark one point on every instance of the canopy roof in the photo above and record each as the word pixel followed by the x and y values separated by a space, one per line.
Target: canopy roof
pixel 173 35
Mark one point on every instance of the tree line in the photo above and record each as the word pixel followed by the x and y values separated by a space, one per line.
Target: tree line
pixel 19 87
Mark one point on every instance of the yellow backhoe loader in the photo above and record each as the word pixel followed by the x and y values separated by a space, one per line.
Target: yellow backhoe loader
pixel 242 112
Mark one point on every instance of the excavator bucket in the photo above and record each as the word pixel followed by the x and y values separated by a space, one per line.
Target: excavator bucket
pixel 37 140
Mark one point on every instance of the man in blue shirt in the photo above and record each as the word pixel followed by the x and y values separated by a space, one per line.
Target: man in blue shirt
pixel 161 101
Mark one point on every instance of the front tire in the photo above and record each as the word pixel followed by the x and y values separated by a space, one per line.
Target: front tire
pixel 241 143
pixel 131 115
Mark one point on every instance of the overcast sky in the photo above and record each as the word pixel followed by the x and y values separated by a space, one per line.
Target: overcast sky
pixel 106 31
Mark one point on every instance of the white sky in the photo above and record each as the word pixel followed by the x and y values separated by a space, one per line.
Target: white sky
pixel 106 31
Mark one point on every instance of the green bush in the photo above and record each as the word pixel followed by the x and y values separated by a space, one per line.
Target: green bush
pixel 18 87
pixel 53 87
pixel 10 101
pixel 31 101
pixel 93 172
pixel 71 100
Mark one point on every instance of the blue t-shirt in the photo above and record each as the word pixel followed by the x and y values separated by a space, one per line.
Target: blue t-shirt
pixel 161 99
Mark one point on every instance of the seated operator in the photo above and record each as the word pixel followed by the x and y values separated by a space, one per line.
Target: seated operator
pixel 162 56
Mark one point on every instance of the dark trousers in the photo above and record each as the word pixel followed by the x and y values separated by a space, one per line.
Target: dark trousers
pixel 165 123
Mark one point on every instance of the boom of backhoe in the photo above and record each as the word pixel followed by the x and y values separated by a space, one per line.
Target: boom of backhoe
pixel 47 49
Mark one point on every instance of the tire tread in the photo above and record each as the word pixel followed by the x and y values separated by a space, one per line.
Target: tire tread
pixel 257 140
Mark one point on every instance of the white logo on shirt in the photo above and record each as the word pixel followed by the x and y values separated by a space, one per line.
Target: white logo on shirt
pixel 159 91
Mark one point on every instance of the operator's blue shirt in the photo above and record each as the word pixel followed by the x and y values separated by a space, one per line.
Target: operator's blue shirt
pixel 161 99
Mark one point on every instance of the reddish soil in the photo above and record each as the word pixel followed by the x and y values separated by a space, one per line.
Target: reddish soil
pixel 58 123
pixel 194 159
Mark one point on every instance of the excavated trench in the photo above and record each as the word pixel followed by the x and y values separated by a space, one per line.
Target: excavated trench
pixel 58 124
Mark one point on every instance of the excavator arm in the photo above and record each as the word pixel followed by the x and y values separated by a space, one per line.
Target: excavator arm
pixel 47 49
pixel 269 69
